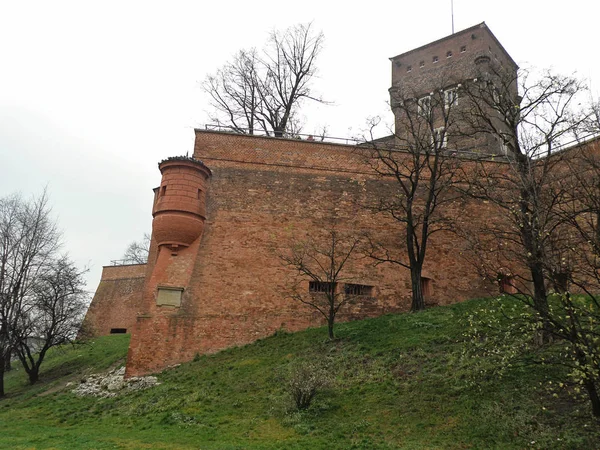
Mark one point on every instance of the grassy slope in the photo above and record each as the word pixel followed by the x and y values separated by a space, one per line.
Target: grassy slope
pixel 399 383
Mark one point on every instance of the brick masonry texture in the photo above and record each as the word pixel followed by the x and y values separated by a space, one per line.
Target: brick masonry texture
pixel 264 195
pixel 220 226
pixel 117 299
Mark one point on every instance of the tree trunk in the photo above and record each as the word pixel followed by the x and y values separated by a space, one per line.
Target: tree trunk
pixel 330 322
pixel 2 366
pixel 590 387
pixel 418 303
pixel 34 374
pixel 540 297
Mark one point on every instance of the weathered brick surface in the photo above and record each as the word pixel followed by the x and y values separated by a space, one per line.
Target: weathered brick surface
pixel 449 63
pixel 117 300
pixel 265 194
pixel 477 41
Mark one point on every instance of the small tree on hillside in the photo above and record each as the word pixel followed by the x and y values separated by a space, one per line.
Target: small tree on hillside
pixel 262 91
pixel 549 197
pixel 525 188
pixel 421 166
pixel 324 265
pixel 29 240
pixel 56 308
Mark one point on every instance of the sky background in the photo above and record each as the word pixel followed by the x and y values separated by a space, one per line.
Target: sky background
pixel 94 94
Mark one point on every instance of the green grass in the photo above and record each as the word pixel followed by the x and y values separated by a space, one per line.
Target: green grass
pixel 399 381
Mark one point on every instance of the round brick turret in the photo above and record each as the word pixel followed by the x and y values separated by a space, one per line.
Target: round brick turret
pixel 180 202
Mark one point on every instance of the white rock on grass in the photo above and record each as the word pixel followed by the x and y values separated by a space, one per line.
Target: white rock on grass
pixel 113 383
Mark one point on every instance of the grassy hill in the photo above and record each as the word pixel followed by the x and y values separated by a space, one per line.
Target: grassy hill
pixel 398 381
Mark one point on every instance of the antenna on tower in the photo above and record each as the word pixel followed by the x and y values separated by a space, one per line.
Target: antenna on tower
pixel 452 14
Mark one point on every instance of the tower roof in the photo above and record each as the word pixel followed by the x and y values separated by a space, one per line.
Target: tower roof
pixel 481 25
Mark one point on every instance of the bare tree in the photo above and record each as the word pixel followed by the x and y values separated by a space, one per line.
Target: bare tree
pixel 531 127
pixel 234 92
pixel 324 265
pixel 29 240
pixel 57 305
pixel 422 166
pixel 262 92
pixel 137 251
pixel 548 198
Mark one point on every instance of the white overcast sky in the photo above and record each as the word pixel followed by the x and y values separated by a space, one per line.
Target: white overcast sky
pixel 94 93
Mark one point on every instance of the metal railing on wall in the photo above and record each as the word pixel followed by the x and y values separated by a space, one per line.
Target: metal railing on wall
pixel 285 135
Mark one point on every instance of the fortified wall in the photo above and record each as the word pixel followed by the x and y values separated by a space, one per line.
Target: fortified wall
pixel 222 220
pixel 224 284
pixel 116 302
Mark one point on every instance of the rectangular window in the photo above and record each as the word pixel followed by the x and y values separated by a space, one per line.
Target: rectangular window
pixel 426 286
pixel 320 286
pixel 450 97
pixel 358 289
pixel 424 106
pixel 507 284
pixel 561 282
pixel 439 140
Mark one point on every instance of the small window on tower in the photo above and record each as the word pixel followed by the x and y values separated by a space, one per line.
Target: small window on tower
pixel 450 97
pixel 163 190
pixel 199 193
pixel 463 49
pixel 422 64
pixel 439 139
pixel 424 106
pixel 449 54
pixel 435 59
pixel 409 69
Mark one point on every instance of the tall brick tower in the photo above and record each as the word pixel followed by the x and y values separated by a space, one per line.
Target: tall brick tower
pixel 178 214
pixel 442 66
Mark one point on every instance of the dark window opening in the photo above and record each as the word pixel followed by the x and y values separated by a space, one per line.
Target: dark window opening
pixel 463 49
pixel 449 54
pixel 422 64
pixel 118 330
pixel 199 193
pixel 163 190
pixel 561 282
pixel 409 68
pixel 358 289
pixel 507 284
pixel 320 286
pixel 435 59
pixel 426 286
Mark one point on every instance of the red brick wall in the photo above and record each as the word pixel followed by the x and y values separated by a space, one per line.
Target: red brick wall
pixel 478 41
pixel 264 195
pixel 117 300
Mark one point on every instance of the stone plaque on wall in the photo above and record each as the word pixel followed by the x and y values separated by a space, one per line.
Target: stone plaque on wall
pixel 169 296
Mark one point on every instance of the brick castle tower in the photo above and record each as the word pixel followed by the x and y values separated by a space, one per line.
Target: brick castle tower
pixel 178 213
